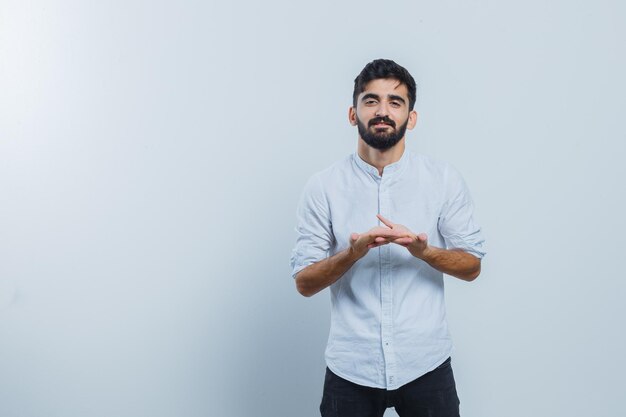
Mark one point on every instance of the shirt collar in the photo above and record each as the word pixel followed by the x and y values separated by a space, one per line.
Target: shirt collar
pixel 389 170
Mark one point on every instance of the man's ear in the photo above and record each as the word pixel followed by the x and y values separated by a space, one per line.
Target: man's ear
pixel 352 115
pixel 412 120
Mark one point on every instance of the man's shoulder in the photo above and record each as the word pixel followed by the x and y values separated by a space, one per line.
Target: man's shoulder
pixel 322 181
pixel 437 172
pixel 429 164
pixel 340 167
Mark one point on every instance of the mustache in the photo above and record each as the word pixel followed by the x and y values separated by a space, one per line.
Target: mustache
pixel 383 119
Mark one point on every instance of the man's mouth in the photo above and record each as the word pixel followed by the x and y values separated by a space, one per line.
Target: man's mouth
pixel 382 127
pixel 381 123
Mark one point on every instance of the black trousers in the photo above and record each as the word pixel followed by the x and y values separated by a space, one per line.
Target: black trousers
pixel 431 395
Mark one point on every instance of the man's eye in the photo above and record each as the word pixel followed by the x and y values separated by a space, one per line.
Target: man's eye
pixel 395 104
pixel 369 102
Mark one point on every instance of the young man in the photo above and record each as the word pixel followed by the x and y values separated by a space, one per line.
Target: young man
pixel 381 227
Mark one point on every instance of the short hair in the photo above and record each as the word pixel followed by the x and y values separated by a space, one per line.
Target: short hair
pixel 386 69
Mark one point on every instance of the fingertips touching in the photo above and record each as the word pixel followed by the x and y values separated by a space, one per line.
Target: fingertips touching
pixel 375 245
pixel 403 241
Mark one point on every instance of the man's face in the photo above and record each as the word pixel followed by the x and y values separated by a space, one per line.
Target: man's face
pixel 382 113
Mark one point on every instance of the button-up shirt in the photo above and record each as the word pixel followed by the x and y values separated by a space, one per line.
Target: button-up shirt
pixel 388 321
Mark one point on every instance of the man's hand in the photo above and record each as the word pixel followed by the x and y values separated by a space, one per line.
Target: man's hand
pixel 361 243
pixel 401 235
pixel 453 262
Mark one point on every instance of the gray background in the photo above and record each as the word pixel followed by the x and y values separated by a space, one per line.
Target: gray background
pixel 152 154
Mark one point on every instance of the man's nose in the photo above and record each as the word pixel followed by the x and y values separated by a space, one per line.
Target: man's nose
pixel 382 109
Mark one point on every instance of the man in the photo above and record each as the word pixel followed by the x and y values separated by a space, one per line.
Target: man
pixel 381 227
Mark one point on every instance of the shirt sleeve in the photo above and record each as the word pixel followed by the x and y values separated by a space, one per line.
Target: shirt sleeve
pixel 313 227
pixel 456 221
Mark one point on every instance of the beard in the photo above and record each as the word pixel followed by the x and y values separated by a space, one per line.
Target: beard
pixel 381 139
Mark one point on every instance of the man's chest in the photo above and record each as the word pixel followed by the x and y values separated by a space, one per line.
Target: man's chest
pixel 412 203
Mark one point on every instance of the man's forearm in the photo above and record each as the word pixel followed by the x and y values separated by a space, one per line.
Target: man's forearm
pixel 453 262
pixel 320 275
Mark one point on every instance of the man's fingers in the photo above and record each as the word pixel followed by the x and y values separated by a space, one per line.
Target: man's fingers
pixel 382 231
pixel 385 221
pixel 375 245
pixel 403 241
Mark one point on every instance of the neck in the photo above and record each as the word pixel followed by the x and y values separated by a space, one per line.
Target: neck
pixel 380 159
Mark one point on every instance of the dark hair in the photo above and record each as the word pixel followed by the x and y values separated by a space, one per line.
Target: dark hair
pixel 384 68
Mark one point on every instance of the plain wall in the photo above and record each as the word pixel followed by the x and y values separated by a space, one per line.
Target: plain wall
pixel 152 154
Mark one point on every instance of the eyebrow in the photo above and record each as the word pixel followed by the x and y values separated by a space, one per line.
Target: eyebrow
pixel 395 97
pixel 370 95
pixel 377 97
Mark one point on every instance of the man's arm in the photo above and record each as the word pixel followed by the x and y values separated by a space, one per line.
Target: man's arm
pixel 315 277
pixel 321 274
pixel 455 262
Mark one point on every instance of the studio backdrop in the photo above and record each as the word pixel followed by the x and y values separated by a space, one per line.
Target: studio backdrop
pixel 152 155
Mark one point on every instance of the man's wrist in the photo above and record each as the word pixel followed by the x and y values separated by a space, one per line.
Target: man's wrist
pixel 353 254
pixel 425 254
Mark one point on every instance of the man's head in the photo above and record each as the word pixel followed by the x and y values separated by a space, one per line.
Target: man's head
pixel 383 101
pixel 384 69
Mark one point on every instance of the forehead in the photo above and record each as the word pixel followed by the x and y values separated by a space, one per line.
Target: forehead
pixel 386 86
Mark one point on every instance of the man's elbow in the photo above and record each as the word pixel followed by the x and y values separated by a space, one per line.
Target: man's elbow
pixel 472 276
pixel 302 288
pixel 473 273
pixel 304 291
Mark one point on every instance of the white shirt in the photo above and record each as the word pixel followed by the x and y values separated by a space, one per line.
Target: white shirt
pixel 388 321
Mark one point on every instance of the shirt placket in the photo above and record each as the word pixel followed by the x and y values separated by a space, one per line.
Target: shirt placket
pixel 386 292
